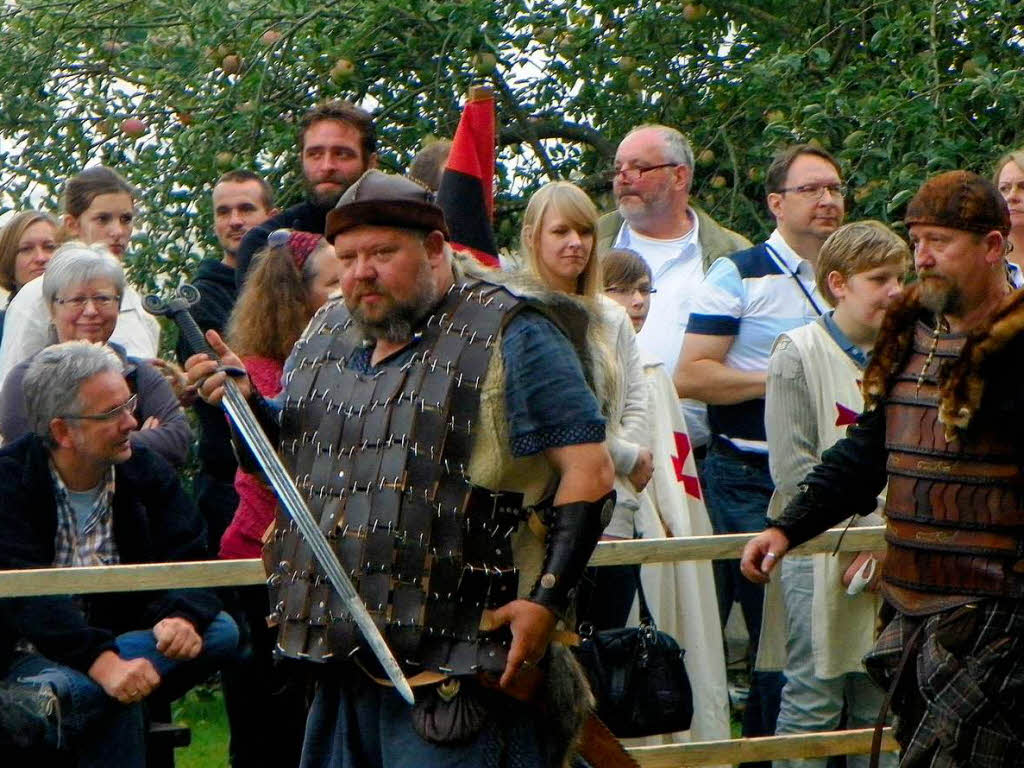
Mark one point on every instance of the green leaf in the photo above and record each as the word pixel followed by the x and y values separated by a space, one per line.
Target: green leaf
pixel 899 199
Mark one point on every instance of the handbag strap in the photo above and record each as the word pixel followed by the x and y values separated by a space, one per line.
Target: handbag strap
pixel 646 617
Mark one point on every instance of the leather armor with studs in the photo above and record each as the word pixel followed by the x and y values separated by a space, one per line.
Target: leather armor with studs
pixel 954 506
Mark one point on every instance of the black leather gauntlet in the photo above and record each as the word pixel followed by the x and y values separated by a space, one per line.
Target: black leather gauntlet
pixel 573 532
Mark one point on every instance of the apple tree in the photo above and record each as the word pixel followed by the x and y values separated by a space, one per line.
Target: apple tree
pixel 172 93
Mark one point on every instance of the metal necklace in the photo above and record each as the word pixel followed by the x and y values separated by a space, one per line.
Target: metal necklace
pixel 941 326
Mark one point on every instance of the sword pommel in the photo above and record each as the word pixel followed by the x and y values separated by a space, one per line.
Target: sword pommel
pixel 176 306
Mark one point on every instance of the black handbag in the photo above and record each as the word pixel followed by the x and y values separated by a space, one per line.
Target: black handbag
pixel 639 680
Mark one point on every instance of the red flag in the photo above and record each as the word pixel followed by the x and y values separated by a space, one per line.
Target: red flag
pixel 466 194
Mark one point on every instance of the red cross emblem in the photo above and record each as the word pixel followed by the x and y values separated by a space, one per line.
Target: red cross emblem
pixel 690 484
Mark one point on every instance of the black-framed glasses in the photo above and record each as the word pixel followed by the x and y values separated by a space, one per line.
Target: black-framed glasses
pixel 100 301
pixel 817 191
pixel 128 406
pixel 622 290
pixel 632 175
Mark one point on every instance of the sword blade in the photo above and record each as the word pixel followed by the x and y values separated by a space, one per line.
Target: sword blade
pixel 291 499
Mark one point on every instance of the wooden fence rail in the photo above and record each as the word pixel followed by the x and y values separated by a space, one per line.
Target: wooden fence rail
pixel 732 751
pixel 237 573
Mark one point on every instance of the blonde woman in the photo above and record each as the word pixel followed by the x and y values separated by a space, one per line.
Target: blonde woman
pixel 557 246
pixel 1009 180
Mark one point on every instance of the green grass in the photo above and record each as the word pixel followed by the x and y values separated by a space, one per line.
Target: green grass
pixel 202 710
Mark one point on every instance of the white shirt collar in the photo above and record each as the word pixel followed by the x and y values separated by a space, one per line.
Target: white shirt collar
pixel 687 241
pixel 791 259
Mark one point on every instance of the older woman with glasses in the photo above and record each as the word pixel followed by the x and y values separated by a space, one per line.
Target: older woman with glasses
pixel 83 286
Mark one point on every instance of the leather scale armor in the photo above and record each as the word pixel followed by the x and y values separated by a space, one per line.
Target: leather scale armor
pixel 954 508
pixel 381 462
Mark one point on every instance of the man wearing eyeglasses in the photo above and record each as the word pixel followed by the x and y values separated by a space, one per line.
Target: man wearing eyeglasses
pixel 74 492
pixel 746 301
pixel 651 180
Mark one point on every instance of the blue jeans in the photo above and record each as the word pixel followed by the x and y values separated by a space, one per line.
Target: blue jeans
pixel 811 703
pixel 97 728
pixel 738 487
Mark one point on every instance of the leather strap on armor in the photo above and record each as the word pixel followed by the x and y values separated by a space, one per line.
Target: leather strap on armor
pixel 573 532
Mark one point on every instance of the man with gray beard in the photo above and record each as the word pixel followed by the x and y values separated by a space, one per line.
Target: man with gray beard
pixel 441 428
pixel 942 425
pixel 657 217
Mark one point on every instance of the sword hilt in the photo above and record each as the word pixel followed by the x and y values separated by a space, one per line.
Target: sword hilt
pixel 176 306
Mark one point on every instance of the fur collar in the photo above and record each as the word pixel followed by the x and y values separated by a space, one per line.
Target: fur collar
pixel 579 318
pixel 962 383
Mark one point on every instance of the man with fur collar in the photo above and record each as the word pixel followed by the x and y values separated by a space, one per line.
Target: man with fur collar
pixel 422 415
pixel 942 423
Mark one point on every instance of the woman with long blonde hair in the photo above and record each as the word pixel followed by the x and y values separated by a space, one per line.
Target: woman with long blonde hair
pixel 557 246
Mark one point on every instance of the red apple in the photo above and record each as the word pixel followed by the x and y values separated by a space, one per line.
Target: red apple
pixel 231 64
pixel 133 128
pixel 271 37
pixel 694 11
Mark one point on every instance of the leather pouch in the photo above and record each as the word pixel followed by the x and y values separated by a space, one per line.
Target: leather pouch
pixel 451 712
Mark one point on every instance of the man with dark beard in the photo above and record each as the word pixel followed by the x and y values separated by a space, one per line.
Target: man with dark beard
pixel 441 428
pixel 943 424
pixel 337 144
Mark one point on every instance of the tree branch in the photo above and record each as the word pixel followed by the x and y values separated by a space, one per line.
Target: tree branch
pixel 544 128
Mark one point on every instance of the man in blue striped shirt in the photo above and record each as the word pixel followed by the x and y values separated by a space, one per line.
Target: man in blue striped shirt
pixel 747 300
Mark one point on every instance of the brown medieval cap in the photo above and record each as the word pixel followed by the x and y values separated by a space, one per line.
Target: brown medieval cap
pixel 959 200
pixel 384 200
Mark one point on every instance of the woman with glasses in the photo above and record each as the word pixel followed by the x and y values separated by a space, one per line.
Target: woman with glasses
pixel 557 243
pixel 83 287
pixel 99 208
pixel 679 596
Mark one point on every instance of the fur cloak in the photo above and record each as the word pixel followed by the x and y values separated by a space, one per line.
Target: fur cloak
pixel 962 383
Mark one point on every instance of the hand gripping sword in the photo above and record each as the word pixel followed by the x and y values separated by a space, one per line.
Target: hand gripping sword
pixel 177 309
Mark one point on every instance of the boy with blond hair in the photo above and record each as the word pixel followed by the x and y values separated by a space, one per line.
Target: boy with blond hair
pixel 819 618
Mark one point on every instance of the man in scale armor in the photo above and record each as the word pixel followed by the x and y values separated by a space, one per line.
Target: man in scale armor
pixel 442 430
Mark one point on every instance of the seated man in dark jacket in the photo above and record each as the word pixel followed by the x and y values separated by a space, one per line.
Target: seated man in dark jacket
pixel 73 492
